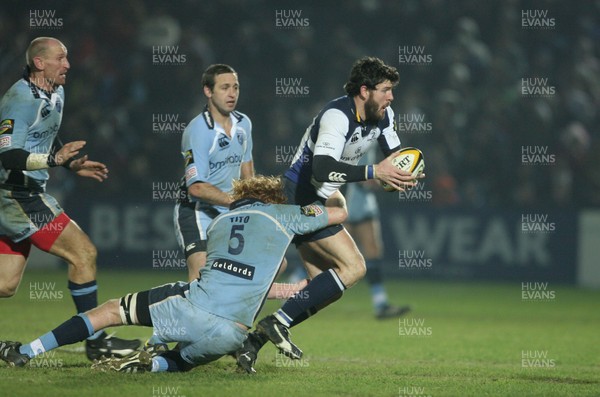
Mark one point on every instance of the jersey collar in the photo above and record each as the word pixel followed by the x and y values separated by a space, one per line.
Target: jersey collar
pixel 210 121
pixel 35 90
pixel 243 202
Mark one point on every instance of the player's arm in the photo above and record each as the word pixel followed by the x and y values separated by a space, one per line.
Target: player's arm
pixel 312 217
pixel 21 159
pixel 80 165
pixel 21 115
pixel 286 290
pixel 328 150
pixel 247 169
pixel 209 194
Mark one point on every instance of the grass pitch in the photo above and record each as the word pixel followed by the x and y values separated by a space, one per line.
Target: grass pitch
pixel 460 340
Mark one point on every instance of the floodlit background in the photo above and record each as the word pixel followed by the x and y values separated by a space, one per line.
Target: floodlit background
pixel 502 97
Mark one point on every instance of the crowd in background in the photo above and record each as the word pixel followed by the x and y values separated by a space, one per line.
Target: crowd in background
pixel 468 94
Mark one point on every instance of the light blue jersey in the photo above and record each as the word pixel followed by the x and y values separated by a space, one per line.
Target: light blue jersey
pixel 29 120
pixel 236 288
pixel 211 156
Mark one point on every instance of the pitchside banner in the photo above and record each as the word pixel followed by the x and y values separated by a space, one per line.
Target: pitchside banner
pixel 481 244
pixel 419 242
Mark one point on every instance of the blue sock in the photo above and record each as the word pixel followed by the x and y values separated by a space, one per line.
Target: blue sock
pixel 378 296
pixel 375 278
pixel 85 297
pixel 320 292
pixel 75 329
pixel 159 364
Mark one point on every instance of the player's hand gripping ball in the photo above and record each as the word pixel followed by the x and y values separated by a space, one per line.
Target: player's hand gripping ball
pixel 409 159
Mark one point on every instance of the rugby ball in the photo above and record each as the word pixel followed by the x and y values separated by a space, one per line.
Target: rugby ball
pixel 409 159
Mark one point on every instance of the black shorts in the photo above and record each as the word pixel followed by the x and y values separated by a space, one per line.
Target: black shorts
pixel 300 195
pixel 191 221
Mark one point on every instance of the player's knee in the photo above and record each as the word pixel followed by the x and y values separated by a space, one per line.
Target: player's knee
pixel 8 289
pixel 353 271
pixel 360 270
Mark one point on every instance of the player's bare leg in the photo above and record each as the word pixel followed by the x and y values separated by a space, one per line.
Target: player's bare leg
pixel 337 252
pixel 75 247
pixel 11 273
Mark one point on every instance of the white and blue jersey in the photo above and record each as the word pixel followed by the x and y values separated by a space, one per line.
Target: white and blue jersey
pixel 29 119
pixel 245 250
pixel 212 156
pixel 338 131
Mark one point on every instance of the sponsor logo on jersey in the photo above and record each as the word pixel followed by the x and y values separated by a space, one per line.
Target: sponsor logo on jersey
pixel 192 172
pixel 337 176
pixel 372 134
pixel 6 126
pixel 44 134
pixel 45 110
pixel 240 138
pixel 354 138
pixel 233 268
pixel 190 247
pixel 5 141
pixel 312 210
pixel 188 157
pixel 223 141
pixel 235 159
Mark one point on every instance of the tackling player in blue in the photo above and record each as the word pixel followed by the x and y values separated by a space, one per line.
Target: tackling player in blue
pixel 210 316
pixel 30 116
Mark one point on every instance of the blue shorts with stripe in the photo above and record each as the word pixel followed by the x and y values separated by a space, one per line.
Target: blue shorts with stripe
pixel 202 336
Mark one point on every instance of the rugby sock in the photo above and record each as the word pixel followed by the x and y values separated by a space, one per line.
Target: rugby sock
pixel 85 297
pixel 159 364
pixel 74 330
pixel 170 361
pixel 320 292
pixel 375 279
